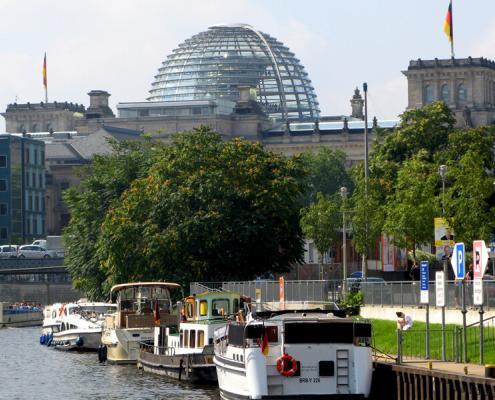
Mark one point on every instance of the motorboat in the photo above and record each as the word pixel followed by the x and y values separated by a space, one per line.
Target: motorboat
pixel 140 307
pixel 288 354
pixel 75 326
pixel 185 351
pixel 19 315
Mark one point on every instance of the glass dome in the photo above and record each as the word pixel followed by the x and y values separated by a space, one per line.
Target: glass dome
pixel 213 64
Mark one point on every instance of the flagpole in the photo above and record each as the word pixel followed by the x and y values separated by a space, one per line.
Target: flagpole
pixel 45 79
pixel 452 29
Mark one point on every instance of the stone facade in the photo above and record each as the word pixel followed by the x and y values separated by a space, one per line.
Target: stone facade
pixel 466 85
pixel 43 117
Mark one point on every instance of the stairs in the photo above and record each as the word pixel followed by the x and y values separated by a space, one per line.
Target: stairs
pixel 342 369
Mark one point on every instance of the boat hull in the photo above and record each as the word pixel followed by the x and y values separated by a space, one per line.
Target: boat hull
pixel 24 319
pixel 123 344
pixel 76 341
pixel 195 368
pixel 225 395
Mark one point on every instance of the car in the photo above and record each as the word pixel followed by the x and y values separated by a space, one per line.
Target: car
pixel 8 251
pixel 33 251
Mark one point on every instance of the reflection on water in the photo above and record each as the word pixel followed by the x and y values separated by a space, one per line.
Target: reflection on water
pixel 31 371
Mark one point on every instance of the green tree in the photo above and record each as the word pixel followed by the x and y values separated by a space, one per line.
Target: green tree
pixel 327 173
pixel 410 210
pixel 206 210
pixel 321 220
pixel 103 182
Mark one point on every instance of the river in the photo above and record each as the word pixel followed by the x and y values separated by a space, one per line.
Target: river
pixel 29 371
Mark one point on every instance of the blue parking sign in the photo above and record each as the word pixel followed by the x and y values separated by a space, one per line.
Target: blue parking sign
pixel 458 261
pixel 424 275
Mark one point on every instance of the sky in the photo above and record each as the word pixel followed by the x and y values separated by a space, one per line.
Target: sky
pixel 118 45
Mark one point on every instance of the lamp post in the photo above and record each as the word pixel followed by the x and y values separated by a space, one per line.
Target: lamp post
pixel 343 193
pixel 366 178
pixel 442 170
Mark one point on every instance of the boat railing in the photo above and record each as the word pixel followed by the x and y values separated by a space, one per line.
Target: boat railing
pixel 159 350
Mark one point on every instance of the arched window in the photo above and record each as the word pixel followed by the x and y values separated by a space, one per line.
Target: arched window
pixel 445 91
pixel 461 93
pixel 48 127
pixel 21 128
pixel 34 128
pixel 427 94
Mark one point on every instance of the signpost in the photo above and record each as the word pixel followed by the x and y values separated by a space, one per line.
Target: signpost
pixel 425 299
pixel 440 302
pixel 458 262
pixel 480 260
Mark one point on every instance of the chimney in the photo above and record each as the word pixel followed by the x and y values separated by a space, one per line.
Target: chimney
pixel 357 104
pixel 98 105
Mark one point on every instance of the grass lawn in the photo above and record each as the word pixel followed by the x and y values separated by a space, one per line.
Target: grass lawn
pixel 385 340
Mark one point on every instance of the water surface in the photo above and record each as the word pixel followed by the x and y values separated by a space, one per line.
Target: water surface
pixel 29 371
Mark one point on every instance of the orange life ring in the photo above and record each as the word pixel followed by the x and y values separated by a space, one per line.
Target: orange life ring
pixel 286 365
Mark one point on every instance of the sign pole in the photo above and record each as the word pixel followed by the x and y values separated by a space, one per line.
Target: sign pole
pixel 440 302
pixel 425 299
pixel 464 312
pixel 481 334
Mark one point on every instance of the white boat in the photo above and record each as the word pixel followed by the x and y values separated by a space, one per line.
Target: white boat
pixel 138 307
pixel 75 326
pixel 185 352
pixel 304 354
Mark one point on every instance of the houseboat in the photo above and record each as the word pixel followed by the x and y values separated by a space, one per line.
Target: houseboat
pixel 140 307
pixel 294 354
pixel 185 352
pixel 18 315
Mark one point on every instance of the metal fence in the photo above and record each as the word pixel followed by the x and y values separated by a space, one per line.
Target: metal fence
pixel 386 293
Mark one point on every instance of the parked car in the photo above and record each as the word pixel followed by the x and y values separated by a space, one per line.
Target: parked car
pixel 8 251
pixel 33 251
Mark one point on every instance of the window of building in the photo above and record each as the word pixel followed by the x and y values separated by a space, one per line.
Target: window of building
pixel 26 155
pixel 40 180
pixel 3 185
pixel 3 161
pixel 445 94
pixel 35 156
pixel 3 208
pixel 34 128
pixel 21 128
pixel 3 233
pixel 42 157
pixel 33 179
pixel 427 94
pixel 36 203
pixel 461 93
pixel 64 185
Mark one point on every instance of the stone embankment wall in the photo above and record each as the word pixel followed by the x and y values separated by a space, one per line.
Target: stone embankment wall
pixel 44 293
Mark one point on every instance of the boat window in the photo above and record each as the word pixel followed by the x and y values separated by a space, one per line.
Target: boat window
pixel 190 310
pixel 192 338
pixel 181 338
pixel 319 333
pixel 236 334
pixel 235 306
pixel 326 368
pixel 254 331
pixel 272 333
pixel 65 311
pixel 220 307
pixel 201 338
pixel 203 308
pixel 186 338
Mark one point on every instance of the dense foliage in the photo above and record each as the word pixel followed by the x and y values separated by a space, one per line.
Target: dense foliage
pixel 197 209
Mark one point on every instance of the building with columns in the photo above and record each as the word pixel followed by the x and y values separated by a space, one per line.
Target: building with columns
pixel 466 85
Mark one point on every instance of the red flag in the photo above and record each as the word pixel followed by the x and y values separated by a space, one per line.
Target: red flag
pixel 45 81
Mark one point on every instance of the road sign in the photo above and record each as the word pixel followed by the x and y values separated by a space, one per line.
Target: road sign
pixel 440 288
pixel 424 299
pixel 480 258
pixel 458 261
pixel 478 291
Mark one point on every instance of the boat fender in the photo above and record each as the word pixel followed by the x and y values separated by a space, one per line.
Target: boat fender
pixel 286 365
pixel 79 341
pixel 49 342
pixel 102 353
pixel 42 339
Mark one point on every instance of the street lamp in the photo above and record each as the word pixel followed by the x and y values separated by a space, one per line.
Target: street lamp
pixel 343 193
pixel 442 170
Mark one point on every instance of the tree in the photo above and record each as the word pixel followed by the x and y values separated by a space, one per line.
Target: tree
pixel 103 183
pixel 206 210
pixel 320 221
pixel 327 173
pixel 410 210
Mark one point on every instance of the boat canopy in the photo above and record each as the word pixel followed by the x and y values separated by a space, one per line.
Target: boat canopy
pixel 121 286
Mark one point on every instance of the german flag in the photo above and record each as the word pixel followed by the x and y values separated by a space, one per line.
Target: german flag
pixel 45 82
pixel 448 26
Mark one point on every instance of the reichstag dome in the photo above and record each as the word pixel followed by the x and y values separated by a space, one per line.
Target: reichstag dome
pixel 213 64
